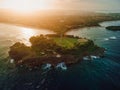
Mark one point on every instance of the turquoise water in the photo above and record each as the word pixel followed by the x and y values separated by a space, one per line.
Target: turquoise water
pixel 98 74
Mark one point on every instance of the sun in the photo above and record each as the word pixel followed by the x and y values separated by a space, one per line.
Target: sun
pixel 25 5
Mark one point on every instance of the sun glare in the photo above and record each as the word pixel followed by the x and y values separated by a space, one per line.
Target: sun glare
pixel 27 33
pixel 25 5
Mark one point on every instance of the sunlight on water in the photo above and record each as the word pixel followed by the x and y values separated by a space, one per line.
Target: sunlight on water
pixel 27 32
pixel 10 34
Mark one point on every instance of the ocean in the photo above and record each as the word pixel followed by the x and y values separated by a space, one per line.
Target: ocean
pixel 98 74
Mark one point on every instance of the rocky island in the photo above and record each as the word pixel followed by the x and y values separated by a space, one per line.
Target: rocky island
pixel 54 50
pixel 113 28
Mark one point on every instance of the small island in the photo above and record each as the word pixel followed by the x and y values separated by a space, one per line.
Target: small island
pixel 113 28
pixel 53 50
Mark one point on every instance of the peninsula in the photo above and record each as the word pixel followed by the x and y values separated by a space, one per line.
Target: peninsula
pixel 113 28
pixel 54 49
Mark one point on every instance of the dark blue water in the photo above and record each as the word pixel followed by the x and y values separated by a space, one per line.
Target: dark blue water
pixel 98 74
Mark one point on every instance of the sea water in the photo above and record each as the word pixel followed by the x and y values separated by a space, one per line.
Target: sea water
pixel 97 74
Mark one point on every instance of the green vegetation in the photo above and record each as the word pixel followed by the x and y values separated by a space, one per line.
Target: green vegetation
pixel 65 42
pixel 53 49
pixel 20 50
pixel 43 45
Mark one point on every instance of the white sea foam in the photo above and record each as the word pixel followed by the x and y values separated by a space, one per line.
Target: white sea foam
pixel 62 66
pixel 94 57
pixel 106 39
pixel 47 66
pixel 90 57
pixel 86 58
pixel 113 37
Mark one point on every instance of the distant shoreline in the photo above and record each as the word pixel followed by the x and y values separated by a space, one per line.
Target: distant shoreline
pixel 113 28
pixel 61 23
pixel 77 27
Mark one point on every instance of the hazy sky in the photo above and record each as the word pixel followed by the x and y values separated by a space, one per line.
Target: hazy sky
pixel 89 5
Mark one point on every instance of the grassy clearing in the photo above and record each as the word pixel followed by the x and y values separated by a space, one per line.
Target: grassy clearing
pixel 69 43
pixel 82 41
pixel 66 42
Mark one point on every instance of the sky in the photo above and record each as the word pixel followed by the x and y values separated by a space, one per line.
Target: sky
pixel 87 5
pixel 91 4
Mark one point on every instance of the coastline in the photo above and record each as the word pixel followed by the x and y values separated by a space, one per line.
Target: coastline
pixel 73 28
pixel 88 56
pixel 66 23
